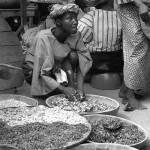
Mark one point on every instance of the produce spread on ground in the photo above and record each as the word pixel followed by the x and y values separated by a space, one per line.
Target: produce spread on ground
pixel 88 105
pixel 110 130
pixel 11 103
pixel 41 128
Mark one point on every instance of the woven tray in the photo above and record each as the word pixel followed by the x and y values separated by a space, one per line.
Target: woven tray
pixel 109 146
pixel 52 113
pixel 97 117
pixel 27 100
pixel 47 1
pixel 7 147
pixel 99 99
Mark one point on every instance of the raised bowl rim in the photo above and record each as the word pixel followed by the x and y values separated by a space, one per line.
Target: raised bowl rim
pixel 109 144
pixel 15 95
pixel 129 121
pixel 84 113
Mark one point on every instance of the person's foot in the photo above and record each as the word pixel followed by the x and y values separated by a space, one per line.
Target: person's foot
pixel 122 92
pixel 128 107
pixel 132 101
pixel 134 104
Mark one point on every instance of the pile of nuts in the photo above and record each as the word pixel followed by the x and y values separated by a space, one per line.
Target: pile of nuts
pixel 125 133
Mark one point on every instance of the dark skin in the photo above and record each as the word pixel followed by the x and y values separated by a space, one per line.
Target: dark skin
pixel 108 5
pixel 65 26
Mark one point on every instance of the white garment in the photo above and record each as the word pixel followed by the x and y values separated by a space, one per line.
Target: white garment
pixel 61 77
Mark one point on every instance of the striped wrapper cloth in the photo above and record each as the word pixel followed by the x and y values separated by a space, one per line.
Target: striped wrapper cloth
pixel 101 30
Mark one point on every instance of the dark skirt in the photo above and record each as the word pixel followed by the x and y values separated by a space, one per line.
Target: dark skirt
pixel 104 62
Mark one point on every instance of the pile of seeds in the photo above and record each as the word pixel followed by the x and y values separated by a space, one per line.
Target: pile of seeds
pixel 42 136
pixel 99 149
pixel 119 132
pixel 12 103
pixel 88 105
pixel 6 147
pixel 25 115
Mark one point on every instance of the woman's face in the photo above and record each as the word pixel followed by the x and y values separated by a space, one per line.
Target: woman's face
pixel 69 23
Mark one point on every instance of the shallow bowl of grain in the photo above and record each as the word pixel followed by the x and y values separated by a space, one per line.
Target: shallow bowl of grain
pixel 97 99
pixel 102 146
pixel 11 100
pixel 130 133
pixel 7 147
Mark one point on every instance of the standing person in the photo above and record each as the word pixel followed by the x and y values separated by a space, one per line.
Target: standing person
pixel 102 35
pixel 136 49
pixel 52 48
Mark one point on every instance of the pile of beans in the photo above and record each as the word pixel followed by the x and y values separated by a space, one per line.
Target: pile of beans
pixel 99 149
pixel 41 136
pixel 127 134
pixel 88 105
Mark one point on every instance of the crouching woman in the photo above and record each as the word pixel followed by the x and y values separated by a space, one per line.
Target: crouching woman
pixel 55 49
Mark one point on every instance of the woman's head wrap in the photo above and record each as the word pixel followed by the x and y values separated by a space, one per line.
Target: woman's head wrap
pixel 92 3
pixel 67 1
pixel 58 9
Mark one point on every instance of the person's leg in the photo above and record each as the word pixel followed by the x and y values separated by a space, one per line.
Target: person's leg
pixel 73 59
pixel 132 102
pixel 27 71
pixel 69 65
pixel 122 92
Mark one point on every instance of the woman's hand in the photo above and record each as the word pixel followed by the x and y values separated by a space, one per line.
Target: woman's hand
pixel 143 10
pixel 68 91
pixel 80 95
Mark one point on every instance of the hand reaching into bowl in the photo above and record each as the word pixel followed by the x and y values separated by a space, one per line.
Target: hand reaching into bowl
pixel 77 96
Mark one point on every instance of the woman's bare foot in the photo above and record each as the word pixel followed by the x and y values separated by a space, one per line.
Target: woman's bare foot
pixel 133 103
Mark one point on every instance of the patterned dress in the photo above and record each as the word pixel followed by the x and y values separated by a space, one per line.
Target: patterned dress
pixel 136 47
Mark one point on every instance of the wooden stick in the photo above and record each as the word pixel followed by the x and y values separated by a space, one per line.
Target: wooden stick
pixel 23 5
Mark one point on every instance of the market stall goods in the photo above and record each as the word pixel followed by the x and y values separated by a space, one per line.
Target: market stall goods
pixel 10 100
pixel 111 129
pixel 47 1
pixel 42 128
pixel 9 4
pixel 7 147
pixel 102 146
pixel 91 104
pixel 12 103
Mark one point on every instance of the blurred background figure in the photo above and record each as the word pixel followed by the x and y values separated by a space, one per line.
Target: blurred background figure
pixel 102 35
